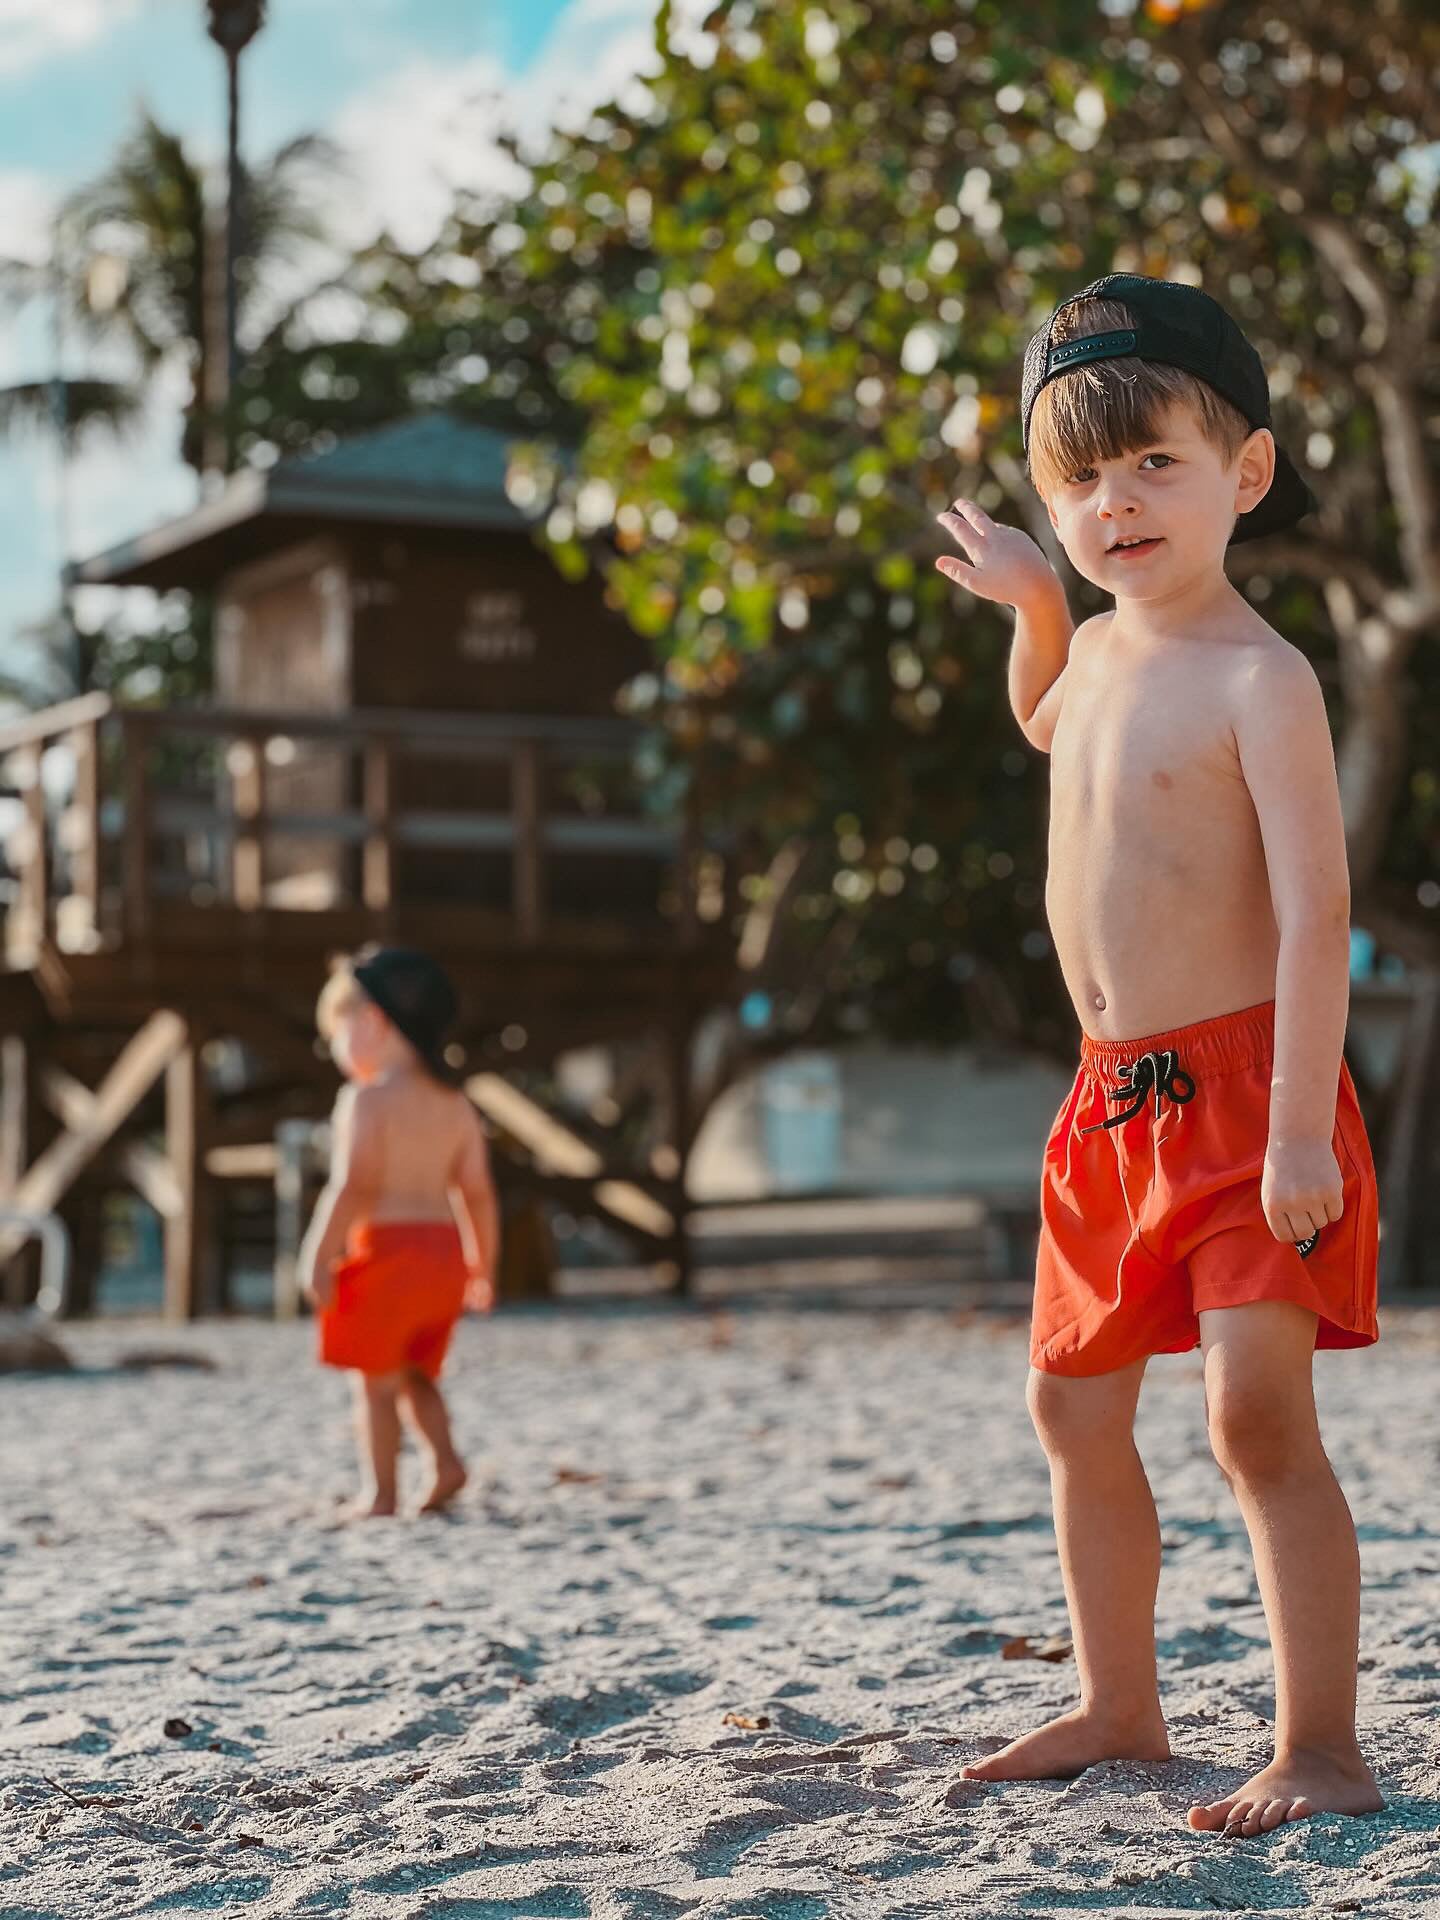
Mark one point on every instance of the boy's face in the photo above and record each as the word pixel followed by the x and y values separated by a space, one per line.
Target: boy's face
pixel 1144 525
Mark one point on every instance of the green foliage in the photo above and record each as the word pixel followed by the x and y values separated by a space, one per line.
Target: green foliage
pixel 788 292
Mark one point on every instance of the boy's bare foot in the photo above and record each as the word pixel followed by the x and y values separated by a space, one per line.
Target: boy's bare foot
pixel 1067 1746
pixel 449 1480
pixel 1306 1782
pixel 363 1509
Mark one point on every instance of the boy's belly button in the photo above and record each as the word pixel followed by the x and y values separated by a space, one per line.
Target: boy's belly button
pixel 1100 1002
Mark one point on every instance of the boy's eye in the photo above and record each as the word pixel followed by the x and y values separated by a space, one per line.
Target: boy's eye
pixel 1165 459
pixel 1079 479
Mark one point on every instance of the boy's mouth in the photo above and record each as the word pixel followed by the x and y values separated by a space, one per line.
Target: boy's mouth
pixel 1131 545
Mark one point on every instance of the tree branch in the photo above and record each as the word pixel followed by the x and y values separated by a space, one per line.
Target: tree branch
pixel 1308 561
pixel 1412 483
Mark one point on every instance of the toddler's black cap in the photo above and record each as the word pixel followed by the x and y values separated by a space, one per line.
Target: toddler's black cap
pixel 1181 327
pixel 415 995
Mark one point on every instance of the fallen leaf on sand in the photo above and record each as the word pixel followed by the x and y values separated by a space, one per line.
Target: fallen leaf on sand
pixel 177 1729
pixel 1056 1648
pixel 893 1482
pixel 258 1580
pixel 750 1723
pixel 576 1477
pixel 246 1840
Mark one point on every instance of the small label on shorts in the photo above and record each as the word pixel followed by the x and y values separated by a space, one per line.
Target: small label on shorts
pixel 1306 1247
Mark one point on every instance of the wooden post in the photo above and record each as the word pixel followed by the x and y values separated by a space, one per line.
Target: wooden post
pixel 678 1042
pixel 17 1103
pixel 135 847
pixel 191 1253
pixel 85 818
pixel 246 762
pixel 378 870
pixel 527 801
pixel 35 878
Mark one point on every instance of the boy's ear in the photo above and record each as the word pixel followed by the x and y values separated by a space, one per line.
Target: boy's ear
pixel 1254 470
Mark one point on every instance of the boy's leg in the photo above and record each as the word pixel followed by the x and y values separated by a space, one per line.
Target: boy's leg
pixel 1261 1407
pixel 1109 1542
pixel 426 1407
pixel 377 1427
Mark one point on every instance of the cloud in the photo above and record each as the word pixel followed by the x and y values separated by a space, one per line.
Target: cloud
pixel 27 206
pixel 432 129
pixel 33 31
pixel 411 142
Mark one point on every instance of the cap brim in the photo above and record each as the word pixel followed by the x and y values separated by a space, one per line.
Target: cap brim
pixel 1288 500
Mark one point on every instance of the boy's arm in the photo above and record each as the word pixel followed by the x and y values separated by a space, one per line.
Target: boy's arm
pixel 347 1195
pixel 472 1199
pixel 1289 767
pixel 1005 565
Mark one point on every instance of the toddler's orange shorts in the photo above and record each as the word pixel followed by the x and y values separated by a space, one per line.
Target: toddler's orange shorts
pixel 1150 1202
pixel 398 1293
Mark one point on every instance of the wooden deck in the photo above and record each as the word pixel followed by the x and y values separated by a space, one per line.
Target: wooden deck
pixel 180 879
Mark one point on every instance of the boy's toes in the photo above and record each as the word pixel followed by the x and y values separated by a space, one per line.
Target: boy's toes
pixel 1211 1818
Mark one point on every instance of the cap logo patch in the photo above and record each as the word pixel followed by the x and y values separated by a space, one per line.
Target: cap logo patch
pixel 1093 346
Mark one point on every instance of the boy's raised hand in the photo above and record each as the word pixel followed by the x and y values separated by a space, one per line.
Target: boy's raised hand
pixel 1001 563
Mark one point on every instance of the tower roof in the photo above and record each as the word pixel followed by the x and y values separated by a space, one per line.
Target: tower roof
pixel 431 470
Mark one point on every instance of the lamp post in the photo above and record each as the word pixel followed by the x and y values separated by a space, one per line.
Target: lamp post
pixel 233 25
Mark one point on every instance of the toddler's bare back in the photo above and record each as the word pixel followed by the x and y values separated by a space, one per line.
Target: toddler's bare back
pixel 422 1131
pixel 1158 893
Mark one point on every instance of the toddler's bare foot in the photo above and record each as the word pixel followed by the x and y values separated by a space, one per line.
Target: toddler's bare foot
pixel 374 1509
pixel 1067 1746
pixel 1305 1782
pixel 449 1480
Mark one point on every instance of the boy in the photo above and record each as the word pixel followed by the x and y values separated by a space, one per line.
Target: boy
pixel 409 1205
pixel 1208 1180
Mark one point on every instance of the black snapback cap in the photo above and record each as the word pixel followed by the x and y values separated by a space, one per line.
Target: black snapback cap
pixel 1181 327
pixel 415 995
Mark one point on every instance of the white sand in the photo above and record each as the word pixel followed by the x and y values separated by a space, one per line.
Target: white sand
pixel 827 1518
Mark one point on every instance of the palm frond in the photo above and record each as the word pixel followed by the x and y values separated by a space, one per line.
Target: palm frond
pixel 23 280
pixel 30 406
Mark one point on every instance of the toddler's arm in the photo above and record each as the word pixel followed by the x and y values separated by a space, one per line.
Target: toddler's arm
pixel 1005 565
pixel 347 1195
pixel 472 1197
pixel 1289 767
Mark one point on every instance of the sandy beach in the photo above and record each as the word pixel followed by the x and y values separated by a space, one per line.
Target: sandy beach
pixel 825 1523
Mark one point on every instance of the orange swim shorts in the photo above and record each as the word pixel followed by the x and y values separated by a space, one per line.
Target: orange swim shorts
pixel 398 1293
pixel 1150 1202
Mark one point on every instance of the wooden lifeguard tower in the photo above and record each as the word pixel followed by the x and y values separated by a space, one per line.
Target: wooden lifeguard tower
pixel 414 738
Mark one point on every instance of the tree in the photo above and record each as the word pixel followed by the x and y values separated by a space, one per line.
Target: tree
pixel 134 270
pixel 789 292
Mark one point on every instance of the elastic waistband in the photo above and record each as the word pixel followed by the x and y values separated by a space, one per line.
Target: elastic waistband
pixel 398 1236
pixel 1227 1044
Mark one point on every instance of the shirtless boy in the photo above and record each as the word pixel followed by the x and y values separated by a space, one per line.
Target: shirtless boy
pixel 404 1236
pixel 1208 1180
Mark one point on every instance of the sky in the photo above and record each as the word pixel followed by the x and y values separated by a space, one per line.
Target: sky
pixel 413 90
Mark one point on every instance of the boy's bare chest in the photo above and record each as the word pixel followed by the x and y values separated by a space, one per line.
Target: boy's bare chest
pixel 1152 767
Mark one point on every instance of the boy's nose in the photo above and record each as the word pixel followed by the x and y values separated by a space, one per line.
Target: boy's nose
pixel 1115 506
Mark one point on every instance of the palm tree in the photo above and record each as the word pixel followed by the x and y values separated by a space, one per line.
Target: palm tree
pixel 134 270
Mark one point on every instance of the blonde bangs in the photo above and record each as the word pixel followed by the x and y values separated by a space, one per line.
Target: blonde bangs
pixel 1113 407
